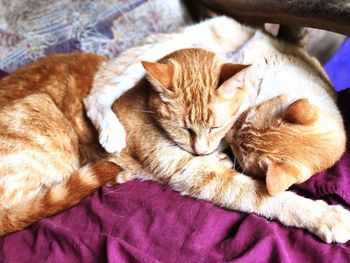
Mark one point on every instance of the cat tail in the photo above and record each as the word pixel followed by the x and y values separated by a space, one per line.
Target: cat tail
pixel 59 197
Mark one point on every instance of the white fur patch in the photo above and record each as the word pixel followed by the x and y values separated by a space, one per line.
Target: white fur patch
pixel 112 134
pixel 86 175
pixel 58 192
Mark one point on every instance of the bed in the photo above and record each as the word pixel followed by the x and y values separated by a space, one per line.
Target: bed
pixel 142 221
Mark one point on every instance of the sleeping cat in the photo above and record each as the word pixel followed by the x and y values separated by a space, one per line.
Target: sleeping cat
pixel 277 68
pixel 294 128
pixel 287 145
pixel 191 95
pixel 50 158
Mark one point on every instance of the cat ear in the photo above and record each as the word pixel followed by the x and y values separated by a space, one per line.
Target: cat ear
pixel 280 177
pixel 161 75
pixel 231 77
pixel 301 112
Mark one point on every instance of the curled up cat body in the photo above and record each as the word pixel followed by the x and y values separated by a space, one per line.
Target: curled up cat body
pixel 278 68
pixel 293 128
pixel 50 157
pixel 283 110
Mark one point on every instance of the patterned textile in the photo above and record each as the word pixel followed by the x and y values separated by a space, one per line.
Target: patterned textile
pixel 30 29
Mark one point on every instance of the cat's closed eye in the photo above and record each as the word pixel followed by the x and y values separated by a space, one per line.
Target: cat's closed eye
pixel 190 131
pixel 211 129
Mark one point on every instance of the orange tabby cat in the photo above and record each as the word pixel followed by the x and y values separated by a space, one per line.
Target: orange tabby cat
pixel 47 147
pixel 286 144
pixel 50 155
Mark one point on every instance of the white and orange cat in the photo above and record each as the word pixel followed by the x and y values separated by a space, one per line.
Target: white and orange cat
pixel 308 110
pixel 289 99
pixel 173 127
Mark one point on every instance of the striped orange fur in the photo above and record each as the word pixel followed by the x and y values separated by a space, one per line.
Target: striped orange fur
pixel 287 145
pixel 202 101
pixel 50 157
pixel 58 197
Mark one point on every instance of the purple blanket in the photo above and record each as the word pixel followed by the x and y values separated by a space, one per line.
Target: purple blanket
pixel 147 222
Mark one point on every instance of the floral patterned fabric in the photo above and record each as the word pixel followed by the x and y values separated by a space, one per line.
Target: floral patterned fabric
pixel 30 29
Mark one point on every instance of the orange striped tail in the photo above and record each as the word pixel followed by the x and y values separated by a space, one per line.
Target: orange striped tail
pixel 59 197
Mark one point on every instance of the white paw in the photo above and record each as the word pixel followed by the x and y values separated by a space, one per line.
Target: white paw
pixel 124 177
pixel 224 159
pixel 121 178
pixel 112 135
pixel 334 224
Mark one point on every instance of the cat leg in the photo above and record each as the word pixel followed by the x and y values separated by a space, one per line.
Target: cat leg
pixel 230 189
pixel 294 34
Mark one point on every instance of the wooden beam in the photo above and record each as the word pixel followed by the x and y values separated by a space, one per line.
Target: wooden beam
pixel 331 15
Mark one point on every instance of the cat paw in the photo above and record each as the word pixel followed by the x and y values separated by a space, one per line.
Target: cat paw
pixel 122 178
pixel 224 159
pixel 334 224
pixel 112 135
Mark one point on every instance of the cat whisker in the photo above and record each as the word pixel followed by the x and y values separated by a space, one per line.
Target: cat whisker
pixel 234 162
pixel 146 111
pixel 243 170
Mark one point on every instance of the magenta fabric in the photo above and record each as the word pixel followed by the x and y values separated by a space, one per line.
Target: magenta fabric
pixel 147 222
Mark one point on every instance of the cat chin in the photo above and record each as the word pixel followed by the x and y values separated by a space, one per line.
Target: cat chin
pixel 190 151
pixel 196 154
pixel 211 150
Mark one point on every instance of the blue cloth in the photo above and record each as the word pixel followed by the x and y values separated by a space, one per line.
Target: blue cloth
pixel 338 67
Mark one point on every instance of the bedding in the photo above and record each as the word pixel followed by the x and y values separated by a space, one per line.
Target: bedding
pixel 31 29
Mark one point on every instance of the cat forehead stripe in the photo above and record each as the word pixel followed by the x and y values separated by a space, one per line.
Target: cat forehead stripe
pixel 196 75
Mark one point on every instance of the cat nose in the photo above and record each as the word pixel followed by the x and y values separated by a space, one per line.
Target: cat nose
pixel 201 147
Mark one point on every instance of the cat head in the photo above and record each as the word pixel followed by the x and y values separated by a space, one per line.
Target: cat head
pixel 196 97
pixel 282 141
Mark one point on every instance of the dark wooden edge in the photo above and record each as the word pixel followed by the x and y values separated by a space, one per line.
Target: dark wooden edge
pixel 331 15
